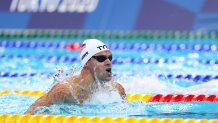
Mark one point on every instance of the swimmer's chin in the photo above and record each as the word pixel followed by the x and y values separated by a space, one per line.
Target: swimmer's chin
pixel 108 79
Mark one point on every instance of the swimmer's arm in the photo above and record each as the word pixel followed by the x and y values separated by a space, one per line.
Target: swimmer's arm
pixel 121 91
pixel 59 92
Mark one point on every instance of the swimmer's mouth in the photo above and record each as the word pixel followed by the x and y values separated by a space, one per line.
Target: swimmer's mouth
pixel 108 70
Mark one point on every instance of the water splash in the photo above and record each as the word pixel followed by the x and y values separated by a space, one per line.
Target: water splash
pixel 59 75
pixel 105 94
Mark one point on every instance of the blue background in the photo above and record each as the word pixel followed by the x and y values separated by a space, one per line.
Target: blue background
pixel 169 15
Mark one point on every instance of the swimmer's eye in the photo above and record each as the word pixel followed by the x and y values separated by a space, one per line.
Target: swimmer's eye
pixel 102 58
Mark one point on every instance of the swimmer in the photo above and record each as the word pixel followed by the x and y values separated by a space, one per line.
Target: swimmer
pixel 96 60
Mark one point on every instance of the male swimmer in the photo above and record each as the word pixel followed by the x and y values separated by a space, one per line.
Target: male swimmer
pixel 96 73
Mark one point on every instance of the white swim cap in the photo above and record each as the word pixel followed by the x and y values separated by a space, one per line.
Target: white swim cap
pixel 89 48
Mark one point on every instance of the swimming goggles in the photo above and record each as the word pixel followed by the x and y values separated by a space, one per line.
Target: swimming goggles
pixel 102 58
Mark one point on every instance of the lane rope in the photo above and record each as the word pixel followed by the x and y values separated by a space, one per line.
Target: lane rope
pixel 142 97
pixel 12 118
pixel 118 60
pixel 148 34
pixel 74 46
pixel 194 78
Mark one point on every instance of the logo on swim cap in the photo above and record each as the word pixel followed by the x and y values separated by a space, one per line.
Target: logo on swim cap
pixel 84 55
pixel 102 47
pixel 91 47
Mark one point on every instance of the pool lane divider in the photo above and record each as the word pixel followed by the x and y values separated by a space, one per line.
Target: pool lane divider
pixel 104 34
pixel 194 78
pixel 39 118
pixel 75 46
pixel 118 60
pixel 142 97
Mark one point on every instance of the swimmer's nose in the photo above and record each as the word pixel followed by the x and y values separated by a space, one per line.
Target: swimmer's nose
pixel 108 62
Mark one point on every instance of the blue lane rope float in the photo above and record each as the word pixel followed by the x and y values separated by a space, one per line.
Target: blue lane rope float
pixel 195 78
pixel 32 44
pixel 119 60
pixel 112 46
pixel 15 74
pixel 45 58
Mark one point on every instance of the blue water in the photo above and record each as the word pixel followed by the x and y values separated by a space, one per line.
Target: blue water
pixel 199 110
pixel 143 77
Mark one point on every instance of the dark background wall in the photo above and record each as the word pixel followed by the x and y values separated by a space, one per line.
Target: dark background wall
pixel 127 15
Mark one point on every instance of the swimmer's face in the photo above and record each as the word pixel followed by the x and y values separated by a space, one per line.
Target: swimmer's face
pixel 100 66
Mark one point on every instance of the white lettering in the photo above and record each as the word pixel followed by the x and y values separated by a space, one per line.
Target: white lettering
pixel 34 6
pixel 92 5
pixel 61 6
pixel 52 5
pixel 64 5
pixel 13 5
pixel 23 5
pixel 81 6
pixel 43 5
pixel 72 6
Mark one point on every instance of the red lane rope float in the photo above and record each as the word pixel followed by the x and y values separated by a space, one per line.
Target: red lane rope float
pixel 183 98
pixel 75 46
pixel 142 97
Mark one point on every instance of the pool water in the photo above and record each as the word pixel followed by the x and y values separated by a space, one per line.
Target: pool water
pixel 141 66
pixel 197 110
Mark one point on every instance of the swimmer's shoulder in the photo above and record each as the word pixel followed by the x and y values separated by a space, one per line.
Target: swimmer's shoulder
pixel 72 79
pixel 60 89
pixel 121 90
pixel 119 86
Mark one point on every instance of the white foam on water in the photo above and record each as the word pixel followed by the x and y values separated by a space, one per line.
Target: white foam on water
pixel 210 87
pixel 104 94
pixel 148 84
